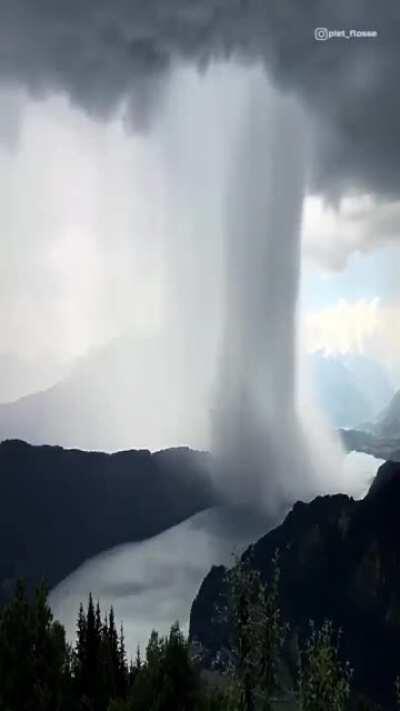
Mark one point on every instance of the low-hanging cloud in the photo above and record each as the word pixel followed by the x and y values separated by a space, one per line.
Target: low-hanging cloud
pixel 357 224
pixel 103 53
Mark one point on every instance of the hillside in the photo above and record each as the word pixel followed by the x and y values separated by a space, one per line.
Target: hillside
pixel 339 559
pixel 119 396
pixel 59 507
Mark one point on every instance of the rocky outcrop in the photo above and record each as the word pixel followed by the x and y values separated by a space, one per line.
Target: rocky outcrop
pixel 339 559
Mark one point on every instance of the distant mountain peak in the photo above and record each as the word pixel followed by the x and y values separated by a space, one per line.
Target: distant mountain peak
pixel 388 424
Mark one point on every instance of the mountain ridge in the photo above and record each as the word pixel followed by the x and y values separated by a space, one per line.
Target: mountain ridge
pixel 339 559
pixel 61 506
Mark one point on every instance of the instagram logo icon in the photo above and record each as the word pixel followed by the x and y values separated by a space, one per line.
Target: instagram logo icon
pixel 321 33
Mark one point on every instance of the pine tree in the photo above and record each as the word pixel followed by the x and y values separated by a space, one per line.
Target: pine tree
pixel 98 622
pixel 79 660
pixel 180 684
pixel 34 660
pixel 324 680
pixel 257 635
pixel 122 666
pixel 167 679
pixel 113 655
pixel 134 668
pixel 88 654
pixel 138 658
pixel 16 645
pixel 50 655
pixel 92 649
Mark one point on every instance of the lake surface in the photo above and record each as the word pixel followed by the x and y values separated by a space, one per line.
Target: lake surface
pixel 151 584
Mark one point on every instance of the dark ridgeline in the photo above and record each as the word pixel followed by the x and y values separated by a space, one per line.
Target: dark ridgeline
pixel 339 560
pixel 59 507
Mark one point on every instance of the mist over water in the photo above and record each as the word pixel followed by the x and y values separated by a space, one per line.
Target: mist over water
pixel 257 434
pixel 153 583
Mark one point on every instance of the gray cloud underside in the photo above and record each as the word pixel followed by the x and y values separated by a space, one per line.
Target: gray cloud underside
pixel 100 52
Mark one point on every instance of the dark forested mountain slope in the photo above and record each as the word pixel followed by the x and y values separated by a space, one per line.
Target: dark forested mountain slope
pixel 339 559
pixel 59 507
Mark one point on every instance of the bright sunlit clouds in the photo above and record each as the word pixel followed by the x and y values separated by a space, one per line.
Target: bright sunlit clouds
pixel 342 328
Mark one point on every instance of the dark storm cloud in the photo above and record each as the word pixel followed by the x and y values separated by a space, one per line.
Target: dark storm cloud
pixel 100 51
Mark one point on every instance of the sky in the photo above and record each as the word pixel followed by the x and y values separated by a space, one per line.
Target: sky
pixel 104 104
pixel 350 289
